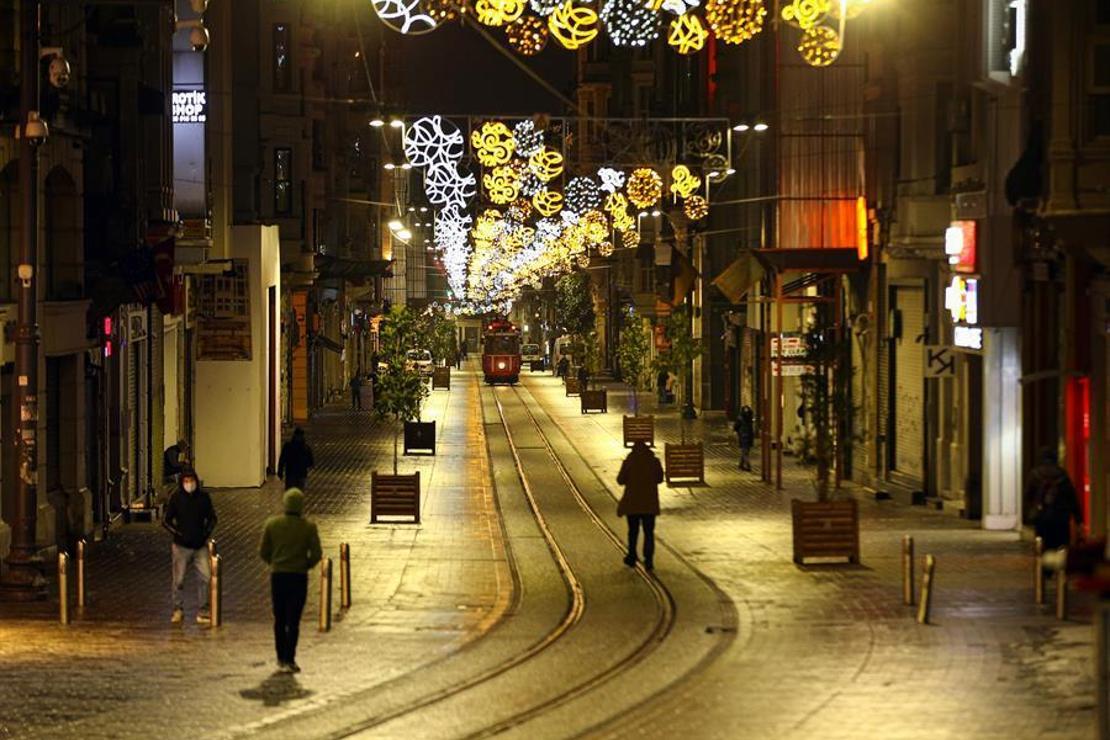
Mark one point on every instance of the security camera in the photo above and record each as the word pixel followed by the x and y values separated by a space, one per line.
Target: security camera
pixel 59 71
pixel 199 38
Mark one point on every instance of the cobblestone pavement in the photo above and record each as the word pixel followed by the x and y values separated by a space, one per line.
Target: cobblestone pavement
pixel 121 670
pixel 829 651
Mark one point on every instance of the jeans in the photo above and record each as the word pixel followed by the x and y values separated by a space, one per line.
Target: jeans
pixel 634 523
pixel 288 591
pixel 356 399
pixel 182 556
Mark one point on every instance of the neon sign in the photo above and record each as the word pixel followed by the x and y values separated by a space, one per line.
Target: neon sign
pixel 960 246
pixel 961 298
pixel 190 106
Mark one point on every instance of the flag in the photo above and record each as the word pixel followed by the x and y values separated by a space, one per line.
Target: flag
pixel 683 276
pixel 739 277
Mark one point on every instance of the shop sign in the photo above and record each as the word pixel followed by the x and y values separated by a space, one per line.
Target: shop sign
pixel 960 246
pixel 961 298
pixel 793 345
pixel 190 106
pixel 968 337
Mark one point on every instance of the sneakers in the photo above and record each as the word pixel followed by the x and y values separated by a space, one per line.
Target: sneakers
pixel 288 668
pixel 630 561
pixel 178 616
pixel 204 618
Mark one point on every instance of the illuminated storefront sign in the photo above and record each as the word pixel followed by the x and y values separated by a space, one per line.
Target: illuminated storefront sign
pixel 190 106
pixel 961 299
pixel 968 337
pixel 960 244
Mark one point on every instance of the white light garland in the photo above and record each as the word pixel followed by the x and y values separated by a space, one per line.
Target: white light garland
pixel 431 140
pixel 611 180
pixel 527 139
pixel 404 16
pixel 630 22
pixel 582 194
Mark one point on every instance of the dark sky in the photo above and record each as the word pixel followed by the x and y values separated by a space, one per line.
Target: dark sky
pixel 455 70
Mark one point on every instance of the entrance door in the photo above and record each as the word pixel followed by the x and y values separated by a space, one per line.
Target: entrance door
pixel 272 380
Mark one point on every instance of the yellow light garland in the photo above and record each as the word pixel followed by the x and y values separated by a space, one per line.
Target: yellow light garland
pixel 502 185
pixel 573 26
pixel 735 21
pixel 687 35
pixel 546 164
pixel 548 202
pixel 683 182
pixel 630 239
pixel 527 34
pixel 645 187
pixel 498 12
pixel 493 143
pixel 819 46
pixel 696 208
pixel 805 14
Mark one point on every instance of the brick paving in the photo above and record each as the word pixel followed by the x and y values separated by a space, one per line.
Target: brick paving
pixel 121 670
pixel 829 650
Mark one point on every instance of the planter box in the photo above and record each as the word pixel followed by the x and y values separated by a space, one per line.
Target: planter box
pixel 827 529
pixel 595 400
pixel 639 429
pixel 420 436
pixel 394 496
pixel 572 386
pixel 441 378
pixel 684 462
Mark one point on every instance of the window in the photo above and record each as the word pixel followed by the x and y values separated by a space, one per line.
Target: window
pixel 1006 29
pixel 283 181
pixel 283 69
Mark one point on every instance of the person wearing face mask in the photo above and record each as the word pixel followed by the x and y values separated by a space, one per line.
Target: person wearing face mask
pixel 190 517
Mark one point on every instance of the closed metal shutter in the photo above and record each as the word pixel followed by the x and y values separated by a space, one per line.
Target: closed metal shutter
pixel 909 388
pixel 130 394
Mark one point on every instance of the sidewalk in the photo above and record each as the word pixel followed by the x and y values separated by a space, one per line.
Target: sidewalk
pixel 121 669
pixel 829 650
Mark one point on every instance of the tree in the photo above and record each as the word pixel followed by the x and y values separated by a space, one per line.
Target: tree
pixel 825 397
pixel 684 349
pixel 401 389
pixel 437 331
pixel 574 305
pixel 632 351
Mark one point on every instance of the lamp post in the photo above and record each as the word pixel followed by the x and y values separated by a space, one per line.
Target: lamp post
pixel 24 579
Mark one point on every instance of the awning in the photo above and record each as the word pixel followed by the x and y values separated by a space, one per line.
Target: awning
pixel 739 277
pixel 350 269
pixel 809 259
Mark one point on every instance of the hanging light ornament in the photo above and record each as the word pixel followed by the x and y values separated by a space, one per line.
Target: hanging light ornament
pixel 696 208
pixel 630 22
pixel 583 260
pixel 404 16
pixel 611 180
pixel 444 186
pixel 735 21
pixel 546 164
pixel 582 194
pixel 548 202
pixel 431 140
pixel 645 187
pixel 573 26
pixel 501 185
pixel 683 182
pixel 520 210
pixel 498 12
pixel 442 11
pixel 493 143
pixel 526 138
pixel 687 34
pixel 595 226
pixel 544 7
pixel 630 239
pixel 528 35
pixel 853 8
pixel 530 184
pixel 616 203
pixel 605 249
pixel 819 46
pixel 805 14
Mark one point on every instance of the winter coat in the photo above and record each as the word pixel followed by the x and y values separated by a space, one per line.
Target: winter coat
pixel 1054 504
pixel 295 460
pixel 190 517
pixel 291 543
pixel 640 474
pixel 745 429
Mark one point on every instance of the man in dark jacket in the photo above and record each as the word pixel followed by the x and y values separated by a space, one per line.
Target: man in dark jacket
pixel 356 391
pixel 190 518
pixel 745 435
pixel 291 547
pixel 640 474
pixel 1053 500
pixel 295 461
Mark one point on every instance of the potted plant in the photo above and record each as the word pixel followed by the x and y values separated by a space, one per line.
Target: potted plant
pixel 682 461
pixel 826 527
pixel 632 353
pixel 592 399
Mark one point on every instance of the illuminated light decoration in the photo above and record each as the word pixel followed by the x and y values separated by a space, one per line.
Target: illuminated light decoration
pixel 683 182
pixel 583 260
pixel 852 8
pixel 630 239
pixel 498 12
pixel 678 7
pixel 961 298
pixel 687 34
pixel 544 7
pixel 595 226
pixel 431 141
pixel 582 194
pixel 404 16
pixel 520 210
pixel 548 202
pixel 501 185
pixel 442 11
pixel 526 138
pixel 630 22
pixel 819 46
pixel 863 243
pixel 696 208
pixel 805 14
pixel 493 143
pixel 605 249
pixel 528 36
pixel 611 180
pixel 573 26
pixel 530 184
pixel 644 188
pixel 735 21
pixel 444 186
pixel 616 203
pixel 624 221
pixel 546 164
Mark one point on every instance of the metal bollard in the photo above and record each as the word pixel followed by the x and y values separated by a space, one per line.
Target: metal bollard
pixel 344 576
pixel 216 591
pixel 212 551
pixel 926 590
pixel 1038 571
pixel 81 574
pixel 907 570
pixel 1062 587
pixel 63 588
pixel 325 595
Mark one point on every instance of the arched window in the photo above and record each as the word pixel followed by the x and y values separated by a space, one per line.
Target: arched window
pixel 62 253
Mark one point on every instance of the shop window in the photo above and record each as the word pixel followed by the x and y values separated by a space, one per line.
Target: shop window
pixel 283 181
pixel 283 68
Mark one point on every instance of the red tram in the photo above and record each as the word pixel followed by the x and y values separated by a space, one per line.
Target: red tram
pixel 501 352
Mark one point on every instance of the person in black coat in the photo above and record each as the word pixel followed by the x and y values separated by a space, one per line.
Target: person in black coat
pixel 745 435
pixel 190 517
pixel 295 461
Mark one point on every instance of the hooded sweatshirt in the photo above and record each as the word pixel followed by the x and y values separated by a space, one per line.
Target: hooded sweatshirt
pixel 291 543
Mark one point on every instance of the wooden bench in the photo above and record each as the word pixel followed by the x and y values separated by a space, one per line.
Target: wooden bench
pixel 394 496
pixel 441 378
pixel 595 400
pixel 572 387
pixel 639 429
pixel 825 529
pixel 684 462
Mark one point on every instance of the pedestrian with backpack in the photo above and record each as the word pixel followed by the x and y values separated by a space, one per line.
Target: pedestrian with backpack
pixel 1053 501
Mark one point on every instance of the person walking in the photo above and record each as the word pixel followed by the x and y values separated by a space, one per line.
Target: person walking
pixel 356 391
pixel 291 547
pixel 745 435
pixel 190 517
pixel 562 367
pixel 640 474
pixel 1054 502
pixel 295 461
pixel 661 386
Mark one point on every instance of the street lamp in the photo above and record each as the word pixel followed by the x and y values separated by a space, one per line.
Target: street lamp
pixel 760 127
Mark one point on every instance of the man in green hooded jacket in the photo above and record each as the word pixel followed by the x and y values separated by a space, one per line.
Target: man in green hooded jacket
pixel 291 546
